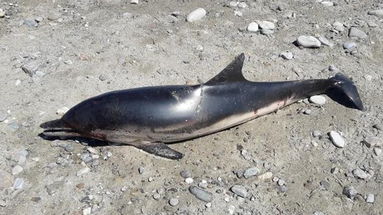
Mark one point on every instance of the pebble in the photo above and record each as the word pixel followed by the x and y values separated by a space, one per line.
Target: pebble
pixel 134 2
pixel 87 211
pixel 287 55
pixel 239 190
pixel 18 184
pixel 30 23
pixel 83 171
pixel 196 15
pixel 53 15
pixel 318 99
pixel 62 111
pixel 308 42
pixel 316 133
pixel 233 4
pixel 189 180
pixel 281 182
pixel 327 3
pixel 266 25
pixel 242 5
pixel 378 13
pixel 358 173
pixel 318 213
pixel 30 68
pixel 377 151
pixel 17 169
pixel 2 13
pixel 201 194
pixel 250 172
pixel 231 209
pixel 265 176
pixel 349 45
pixel 350 191
pixel 373 142
pixel 156 196
pixel 21 156
pixel 338 26
pixel 324 41
pixel 337 139
pixel 357 33
pixel 333 68
pixel 253 27
pixel 185 174
pixel 203 184
pixel 370 198
pixel 173 202
pixel 141 170
pixel 238 13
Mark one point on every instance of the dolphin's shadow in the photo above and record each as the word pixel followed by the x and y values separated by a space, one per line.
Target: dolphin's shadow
pixel 340 97
pixel 88 141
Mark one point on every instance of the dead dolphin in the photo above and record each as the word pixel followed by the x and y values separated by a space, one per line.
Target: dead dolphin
pixel 149 117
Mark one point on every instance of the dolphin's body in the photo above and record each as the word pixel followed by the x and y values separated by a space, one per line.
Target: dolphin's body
pixel 148 117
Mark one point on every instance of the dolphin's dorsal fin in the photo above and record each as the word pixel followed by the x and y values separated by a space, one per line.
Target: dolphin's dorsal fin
pixel 232 73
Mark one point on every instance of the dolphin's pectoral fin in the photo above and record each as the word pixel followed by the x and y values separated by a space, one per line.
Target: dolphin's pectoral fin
pixel 160 149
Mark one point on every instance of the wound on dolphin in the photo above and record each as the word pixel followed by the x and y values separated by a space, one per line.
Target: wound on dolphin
pixel 150 117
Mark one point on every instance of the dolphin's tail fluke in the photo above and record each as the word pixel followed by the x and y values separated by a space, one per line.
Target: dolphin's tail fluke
pixel 345 92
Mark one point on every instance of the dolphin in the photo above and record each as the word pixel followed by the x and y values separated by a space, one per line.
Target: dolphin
pixel 150 117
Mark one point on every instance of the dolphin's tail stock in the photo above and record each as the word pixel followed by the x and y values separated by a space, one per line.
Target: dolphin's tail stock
pixel 345 92
pixel 57 129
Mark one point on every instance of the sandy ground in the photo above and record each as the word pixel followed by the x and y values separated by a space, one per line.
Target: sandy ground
pixel 82 48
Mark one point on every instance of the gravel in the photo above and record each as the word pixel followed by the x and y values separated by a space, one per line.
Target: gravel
pixel 196 15
pixel 239 190
pixel 337 139
pixel 201 194
pixel 250 172
pixel 308 42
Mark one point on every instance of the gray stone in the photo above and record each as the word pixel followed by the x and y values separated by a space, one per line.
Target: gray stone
pixel 185 174
pixel 83 171
pixel 377 151
pixel 357 33
pixel 31 23
pixel 196 15
pixel 2 13
pixel 338 26
pixel 349 45
pixel 242 5
pixel 17 170
pixel 316 133
pixel 53 15
pixel 333 68
pixel 373 141
pixel 350 191
pixel 318 213
pixel 325 41
pixel 21 156
pixel 173 202
pixel 239 190
pixel 267 31
pixel 201 194
pixel 5 180
pixel 251 172
pixel 308 42
pixel 156 196
pixel 378 13
pixel 327 3
pixel 337 139
pixel 358 173
pixel 30 68
pixel 141 170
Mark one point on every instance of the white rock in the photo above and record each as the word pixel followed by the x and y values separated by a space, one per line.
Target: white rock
pixel 242 5
pixel 376 12
pixel 370 198
pixel 2 13
pixel 134 2
pixel 338 26
pixel 62 111
pixel 349 45
pixel 239 190
pixel 337 139
pixel 238 13
pixel 196 15
pixel 327 3
pixel 87 211
pixel 358 173
pixel 174 201
pixel 189 180
pixel 252 27
pixel 19 183
pixel 17 169
pixel 318 99
pixel 251 172
pixel 266 25
pixel 287 55
pixel 377 151
pixel 233 4
pixel 83 171
pixel 372 141
pixel 265 176
pixel 308 42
